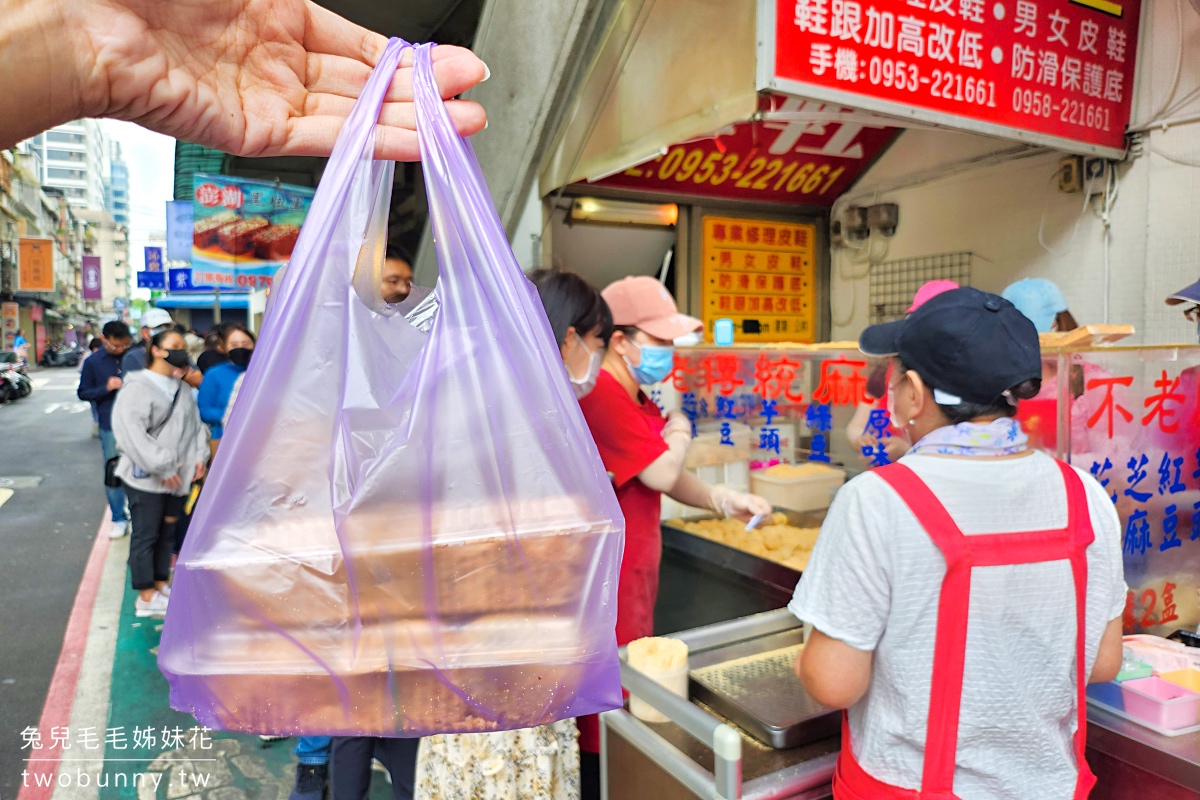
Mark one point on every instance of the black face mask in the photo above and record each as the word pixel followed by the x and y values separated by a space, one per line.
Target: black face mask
pixel 177 358
pixel 240 356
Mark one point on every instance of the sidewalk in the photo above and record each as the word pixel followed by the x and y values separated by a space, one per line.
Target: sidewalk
pixel 124 742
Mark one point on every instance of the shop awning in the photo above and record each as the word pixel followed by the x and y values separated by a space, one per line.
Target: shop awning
pixel 230 300
pixel 666 71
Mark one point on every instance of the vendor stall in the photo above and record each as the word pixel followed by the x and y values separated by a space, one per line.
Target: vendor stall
pixel 1127 414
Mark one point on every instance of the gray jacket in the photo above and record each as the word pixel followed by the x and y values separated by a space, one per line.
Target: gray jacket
pixel 178 447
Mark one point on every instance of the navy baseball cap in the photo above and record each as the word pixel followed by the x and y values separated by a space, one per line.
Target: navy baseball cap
pixel 1188 294
pixel 967 345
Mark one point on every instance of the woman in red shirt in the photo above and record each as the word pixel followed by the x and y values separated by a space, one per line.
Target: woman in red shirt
pixel 644 453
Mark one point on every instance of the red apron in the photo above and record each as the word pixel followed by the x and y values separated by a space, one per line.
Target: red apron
pixel 962 553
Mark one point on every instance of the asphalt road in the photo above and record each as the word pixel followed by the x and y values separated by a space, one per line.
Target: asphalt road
pixel 47 526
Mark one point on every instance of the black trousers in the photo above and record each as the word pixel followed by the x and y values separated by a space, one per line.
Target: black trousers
pixel 152 539
pixel 350 765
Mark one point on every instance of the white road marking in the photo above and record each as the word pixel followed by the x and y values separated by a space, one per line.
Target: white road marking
pixel 69 408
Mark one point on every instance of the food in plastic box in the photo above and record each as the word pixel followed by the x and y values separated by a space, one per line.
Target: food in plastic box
pixel 1163 655
pixel 388 676
pixel 237 238
pixel 276 242
pixel 799 487
pixel 775 541
pixel 663 660
pixel 205 231
pixel 393 574
pixel 706 448
pixel 1161 702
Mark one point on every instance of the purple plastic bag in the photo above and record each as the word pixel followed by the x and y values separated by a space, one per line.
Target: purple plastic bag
pixel 402 533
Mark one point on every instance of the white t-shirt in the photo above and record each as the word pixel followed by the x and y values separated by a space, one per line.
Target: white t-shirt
pixel 874 581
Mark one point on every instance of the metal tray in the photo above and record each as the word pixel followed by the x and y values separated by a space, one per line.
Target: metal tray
pixel 752 684
pixel 739 561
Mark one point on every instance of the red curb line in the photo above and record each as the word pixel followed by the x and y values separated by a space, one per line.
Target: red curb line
pixel 60 698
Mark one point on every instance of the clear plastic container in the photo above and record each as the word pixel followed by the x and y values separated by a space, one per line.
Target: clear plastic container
pixel 805 493
pixel 1161 702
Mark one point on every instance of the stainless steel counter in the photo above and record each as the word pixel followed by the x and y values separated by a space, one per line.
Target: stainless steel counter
pixel 699 753
pixel 1173 758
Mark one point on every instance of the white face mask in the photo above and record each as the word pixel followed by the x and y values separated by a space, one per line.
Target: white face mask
pixel 583 386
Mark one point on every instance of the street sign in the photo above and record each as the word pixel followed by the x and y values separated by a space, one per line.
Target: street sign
pixel 1058 73
pixel 778 160
pixel 92 284
pixel 120 303
pixel 152 280
pixel 154 259
pixel 182 281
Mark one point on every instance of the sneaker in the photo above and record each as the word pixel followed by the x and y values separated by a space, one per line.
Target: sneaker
pixel 119 528
pixel 312 782
pixel 156 606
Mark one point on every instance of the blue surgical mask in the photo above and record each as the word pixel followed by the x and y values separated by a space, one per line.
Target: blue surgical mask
pixel 656 363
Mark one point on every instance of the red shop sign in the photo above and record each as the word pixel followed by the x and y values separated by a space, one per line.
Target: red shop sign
pixel 807 163
pixel 1053 72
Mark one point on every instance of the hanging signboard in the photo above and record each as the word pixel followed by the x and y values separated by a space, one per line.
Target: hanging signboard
pixel 93 288
pixel 244 230
pixel 10 325
pixel 180 218
pixel 762 275
pixel 1058 73
pixel 35 265
pixel 773 160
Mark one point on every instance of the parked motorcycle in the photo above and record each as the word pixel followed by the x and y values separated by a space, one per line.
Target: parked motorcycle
pixel 14 383
pixel 62 355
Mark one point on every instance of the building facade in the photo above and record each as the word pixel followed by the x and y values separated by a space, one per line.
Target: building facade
pixel 75 159
pixel 116 194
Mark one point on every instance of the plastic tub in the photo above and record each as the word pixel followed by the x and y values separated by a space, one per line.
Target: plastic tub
pixel 804 493
pixel 1108 693
pixel 1187 678
pixel 1161 702
pixel 674 679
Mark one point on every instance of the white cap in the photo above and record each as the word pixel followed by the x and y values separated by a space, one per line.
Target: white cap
pixel 156 318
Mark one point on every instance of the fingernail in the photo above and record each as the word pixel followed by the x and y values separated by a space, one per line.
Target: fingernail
pixel 487 73
pixel 485 124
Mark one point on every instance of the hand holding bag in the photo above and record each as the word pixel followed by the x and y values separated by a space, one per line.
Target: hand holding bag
pixel 403 533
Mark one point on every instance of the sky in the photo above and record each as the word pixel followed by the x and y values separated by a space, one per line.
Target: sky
pixel 151 160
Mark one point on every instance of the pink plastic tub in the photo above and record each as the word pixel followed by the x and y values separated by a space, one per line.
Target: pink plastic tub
pixel 1161 702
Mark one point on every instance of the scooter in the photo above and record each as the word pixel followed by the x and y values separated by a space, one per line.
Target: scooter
pixel 13 384
pixel 61 356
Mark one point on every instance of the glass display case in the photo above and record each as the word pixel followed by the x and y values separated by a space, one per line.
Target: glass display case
pixel 1129 415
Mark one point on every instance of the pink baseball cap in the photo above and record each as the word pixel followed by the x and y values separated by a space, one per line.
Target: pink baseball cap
pixel 928 291
pixel 642 302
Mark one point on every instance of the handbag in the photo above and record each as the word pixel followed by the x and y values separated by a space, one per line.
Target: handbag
pixel 110 467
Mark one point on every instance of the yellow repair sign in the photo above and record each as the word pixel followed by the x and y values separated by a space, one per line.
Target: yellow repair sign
pixel 762 275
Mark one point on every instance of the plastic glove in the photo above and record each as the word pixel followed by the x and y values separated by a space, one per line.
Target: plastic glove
pixel 740 505
pixel 678 423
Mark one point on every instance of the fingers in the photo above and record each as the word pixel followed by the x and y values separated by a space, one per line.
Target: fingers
pixel 327 32
pixel 467 117
pixel 344 76
pixel 315 135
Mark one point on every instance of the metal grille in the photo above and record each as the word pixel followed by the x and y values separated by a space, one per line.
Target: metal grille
pixel 743 678
pixel 893 283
